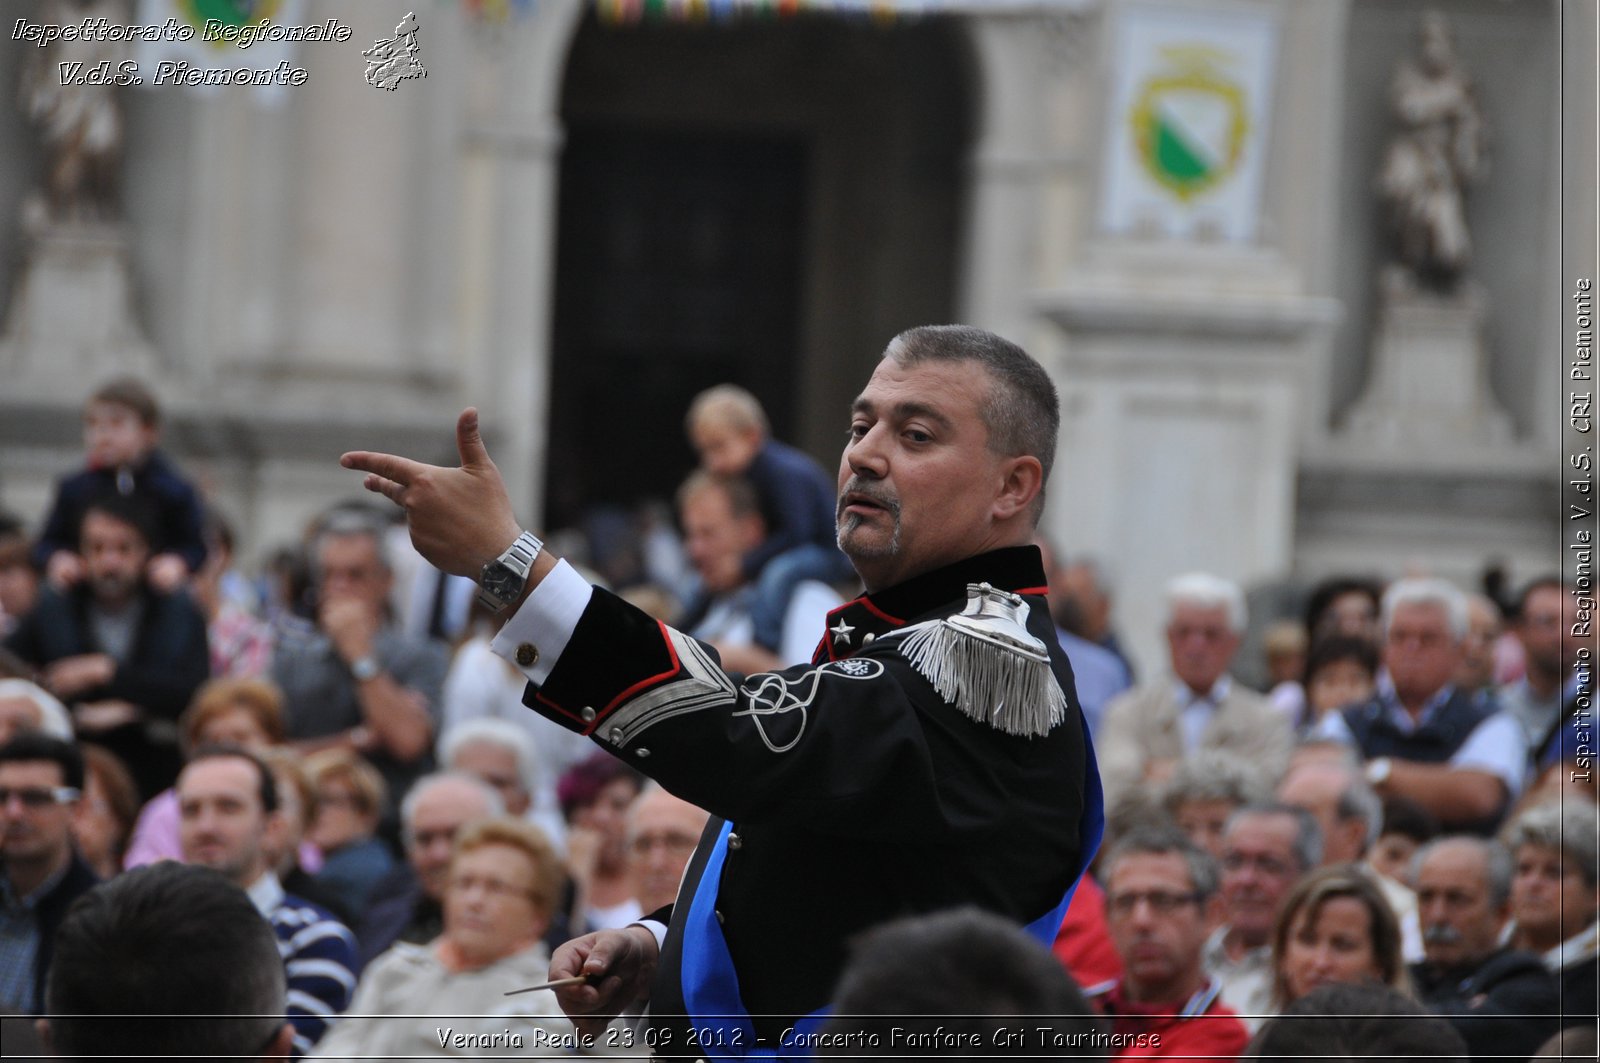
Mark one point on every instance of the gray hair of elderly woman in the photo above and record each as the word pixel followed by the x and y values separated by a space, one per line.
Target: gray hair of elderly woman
pixel 499 733
pixel 1570 828
pixel 1216 775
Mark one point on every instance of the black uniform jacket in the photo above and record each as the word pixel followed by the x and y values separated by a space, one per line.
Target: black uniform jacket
pixel 856 793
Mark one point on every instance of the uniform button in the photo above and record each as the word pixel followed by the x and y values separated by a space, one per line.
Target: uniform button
pixel 641 752
pixel 615 734
pixel 735 842
pixel 720 920
pixel 588 714
pixel 868 639
pixel 527 655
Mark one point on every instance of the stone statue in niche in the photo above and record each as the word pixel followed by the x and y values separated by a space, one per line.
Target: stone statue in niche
pixel 72 313
pixel 1438 151
pixel 69 92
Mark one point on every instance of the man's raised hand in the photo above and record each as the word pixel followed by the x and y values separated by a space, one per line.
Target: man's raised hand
pixel 460 518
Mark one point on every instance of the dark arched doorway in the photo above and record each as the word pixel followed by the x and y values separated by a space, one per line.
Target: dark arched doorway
pixel 762 202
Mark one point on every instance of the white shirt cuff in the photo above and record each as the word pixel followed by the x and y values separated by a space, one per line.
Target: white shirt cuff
pixel 658 929
pixel 544 623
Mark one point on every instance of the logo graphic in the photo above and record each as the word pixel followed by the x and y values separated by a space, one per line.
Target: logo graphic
pixel 392 61
pixel 1190 122
pixel 231 13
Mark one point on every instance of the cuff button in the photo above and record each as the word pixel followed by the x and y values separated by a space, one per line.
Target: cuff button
pixel 527 655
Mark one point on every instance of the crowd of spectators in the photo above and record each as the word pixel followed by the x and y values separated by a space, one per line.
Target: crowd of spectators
pixel 1407 812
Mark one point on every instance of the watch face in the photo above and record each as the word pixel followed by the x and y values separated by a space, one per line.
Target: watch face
pixel 499 580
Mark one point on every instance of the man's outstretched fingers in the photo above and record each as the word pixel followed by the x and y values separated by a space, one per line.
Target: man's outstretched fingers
pixel 389 466
pixel 387 488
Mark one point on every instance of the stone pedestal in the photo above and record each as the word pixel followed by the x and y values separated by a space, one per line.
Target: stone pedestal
pixel 71 316
pixel 1181 374
pixel 1429 380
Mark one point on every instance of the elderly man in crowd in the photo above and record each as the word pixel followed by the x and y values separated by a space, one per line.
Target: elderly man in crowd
pixel 1501 1000
pixel 1421 737
pixel 1161 892
pixel 923 761
pixel 502 754
pixel 1265 850
pixel 1149 729
pixel 230 822
pixel 41 783
pixel 26 706
pixel 354 680
pixel 1207 789
pixel 407 906
pixel 662 833
pixel 1350 815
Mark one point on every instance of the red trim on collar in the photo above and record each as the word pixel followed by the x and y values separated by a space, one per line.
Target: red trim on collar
pixel 1038 591
pixel 879 613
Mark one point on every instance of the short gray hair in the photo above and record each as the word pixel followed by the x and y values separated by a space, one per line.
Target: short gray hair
pixel 1161 840
pixel 1021 413
pixel 1099 575
pixel 1497 863
pixel 1435 592
pixel 343 523
pixel 1307 845
pixel 1216 775
pixel 420 789
pixel 493 731
pixel 1360 801
pixel 1570 828
pixel 1206 591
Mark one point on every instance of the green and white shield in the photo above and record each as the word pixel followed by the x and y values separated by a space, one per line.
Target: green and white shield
pixel 1190 129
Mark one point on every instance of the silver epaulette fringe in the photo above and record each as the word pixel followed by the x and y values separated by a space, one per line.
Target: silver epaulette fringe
pixel 985 663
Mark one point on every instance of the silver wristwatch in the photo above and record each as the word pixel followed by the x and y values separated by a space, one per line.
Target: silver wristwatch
pixel 501 582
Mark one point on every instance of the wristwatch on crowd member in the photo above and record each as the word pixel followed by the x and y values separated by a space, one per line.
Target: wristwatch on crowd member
pixel 1378 771
pixel 501 582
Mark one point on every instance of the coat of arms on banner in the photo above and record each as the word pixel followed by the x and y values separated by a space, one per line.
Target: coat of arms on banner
pixel 1190 123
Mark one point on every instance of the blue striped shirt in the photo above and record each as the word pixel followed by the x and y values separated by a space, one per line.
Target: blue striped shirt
pixel 319 959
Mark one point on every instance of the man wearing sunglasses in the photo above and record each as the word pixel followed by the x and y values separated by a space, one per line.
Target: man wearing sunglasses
pixel 41 874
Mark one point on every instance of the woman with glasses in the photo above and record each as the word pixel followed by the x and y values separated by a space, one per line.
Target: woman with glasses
pixel 448 998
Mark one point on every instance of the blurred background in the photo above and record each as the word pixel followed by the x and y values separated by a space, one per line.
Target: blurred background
pixel 583 214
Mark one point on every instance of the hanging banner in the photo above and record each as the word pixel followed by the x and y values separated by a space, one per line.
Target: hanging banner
pixel 1190 113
